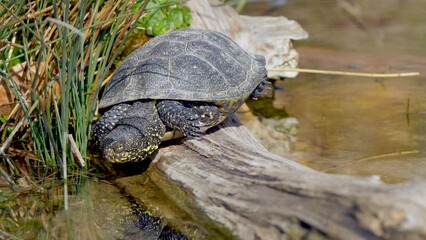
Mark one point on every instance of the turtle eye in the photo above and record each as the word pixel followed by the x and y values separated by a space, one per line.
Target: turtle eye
pixel 119 148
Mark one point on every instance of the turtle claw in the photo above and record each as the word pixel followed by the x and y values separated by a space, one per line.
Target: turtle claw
pixel 266 82
pixel 199 124
pixel 195 133
pixel 268 88
pixel 261 94
pixel 192 129
pixel 258 92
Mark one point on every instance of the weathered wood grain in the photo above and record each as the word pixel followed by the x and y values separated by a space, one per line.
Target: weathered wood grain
pixel 228 179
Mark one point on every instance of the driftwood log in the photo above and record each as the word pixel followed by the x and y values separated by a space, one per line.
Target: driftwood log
pixel 270 37
pixel 230 185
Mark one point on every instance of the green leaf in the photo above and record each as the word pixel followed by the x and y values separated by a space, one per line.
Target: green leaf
pixel 177 17
pixel 187 17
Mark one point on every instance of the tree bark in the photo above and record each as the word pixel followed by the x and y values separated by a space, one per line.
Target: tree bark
pixel 227 180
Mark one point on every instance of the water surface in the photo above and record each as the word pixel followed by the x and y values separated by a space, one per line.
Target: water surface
pixel 352 125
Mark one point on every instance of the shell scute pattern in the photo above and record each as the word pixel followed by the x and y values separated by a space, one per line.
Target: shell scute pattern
pixel 206 66
pixel 231 71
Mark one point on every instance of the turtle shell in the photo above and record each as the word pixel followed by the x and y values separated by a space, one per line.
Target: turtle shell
pixel 190 65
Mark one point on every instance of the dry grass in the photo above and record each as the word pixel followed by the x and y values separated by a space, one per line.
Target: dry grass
pixel 54 55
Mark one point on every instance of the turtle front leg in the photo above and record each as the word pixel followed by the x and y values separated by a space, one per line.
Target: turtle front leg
pixel 190 118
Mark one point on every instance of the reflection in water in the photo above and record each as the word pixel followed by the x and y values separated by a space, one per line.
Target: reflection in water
pixel 98 210
pixel 343 119
pixel 351 125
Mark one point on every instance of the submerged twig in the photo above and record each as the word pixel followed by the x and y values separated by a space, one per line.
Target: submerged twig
pixel 356 74
pixel 75 150
pixel 407 112
pixel 394 154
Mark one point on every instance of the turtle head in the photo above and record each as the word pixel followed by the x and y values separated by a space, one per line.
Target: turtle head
pixel 128 144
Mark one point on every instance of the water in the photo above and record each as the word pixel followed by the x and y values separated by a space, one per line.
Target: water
pixel 374 27
pixel 350 125
pixel 98 210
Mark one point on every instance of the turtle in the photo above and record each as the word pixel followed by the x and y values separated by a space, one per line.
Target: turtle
pixel 187 80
